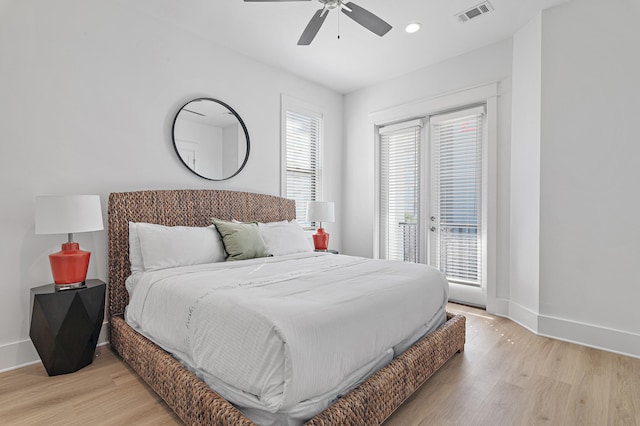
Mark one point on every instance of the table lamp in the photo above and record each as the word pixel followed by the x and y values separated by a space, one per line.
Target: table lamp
pixel 320 211
pixel 68 214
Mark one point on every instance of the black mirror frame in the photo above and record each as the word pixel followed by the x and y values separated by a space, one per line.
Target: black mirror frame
pixel 244 128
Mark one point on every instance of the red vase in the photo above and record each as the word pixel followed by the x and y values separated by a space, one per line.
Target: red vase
pixel 70 265
pixel 321 240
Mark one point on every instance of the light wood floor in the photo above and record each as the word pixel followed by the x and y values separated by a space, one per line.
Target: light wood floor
pixel 505 376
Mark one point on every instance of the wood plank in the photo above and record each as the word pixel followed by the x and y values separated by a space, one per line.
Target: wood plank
pixel 588 401
pixel 624 401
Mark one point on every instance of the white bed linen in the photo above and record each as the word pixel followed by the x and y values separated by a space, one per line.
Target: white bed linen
pixel 284 333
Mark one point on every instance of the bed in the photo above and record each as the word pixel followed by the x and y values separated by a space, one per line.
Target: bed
pixel 192 400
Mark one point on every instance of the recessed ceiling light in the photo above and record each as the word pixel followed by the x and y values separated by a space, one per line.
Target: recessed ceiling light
pixel 413 27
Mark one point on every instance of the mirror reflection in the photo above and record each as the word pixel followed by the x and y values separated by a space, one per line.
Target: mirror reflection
pixel 211 139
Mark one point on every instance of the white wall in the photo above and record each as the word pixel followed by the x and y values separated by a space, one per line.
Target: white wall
pixel 88 94
pixel 524 269
pixel 490 64
pixel 590 170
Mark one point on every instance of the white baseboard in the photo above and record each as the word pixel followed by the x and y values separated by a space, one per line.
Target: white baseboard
pixel 524 316
pixel 498 307
pixel 608 339
pixel 515 312
pixel 20 354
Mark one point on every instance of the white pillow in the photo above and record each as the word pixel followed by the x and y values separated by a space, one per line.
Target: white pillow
pixel 282 238
pixel 171 246
pixel 135 253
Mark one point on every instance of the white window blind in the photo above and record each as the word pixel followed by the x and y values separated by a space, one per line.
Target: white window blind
pixel 400 191
pixel 303 166
pixel 456 195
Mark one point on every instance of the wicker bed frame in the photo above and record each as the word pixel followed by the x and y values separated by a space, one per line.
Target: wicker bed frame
pixel 192 400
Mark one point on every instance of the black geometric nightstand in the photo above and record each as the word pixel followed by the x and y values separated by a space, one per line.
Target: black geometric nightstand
pixel 65 325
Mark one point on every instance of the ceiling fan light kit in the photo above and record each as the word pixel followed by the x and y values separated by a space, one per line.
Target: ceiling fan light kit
pixel 359 14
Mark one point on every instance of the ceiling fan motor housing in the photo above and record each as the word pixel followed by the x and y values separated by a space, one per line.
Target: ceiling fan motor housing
pixel 331 4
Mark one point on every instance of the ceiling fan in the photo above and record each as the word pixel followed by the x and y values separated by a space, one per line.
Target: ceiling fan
pixel 352 10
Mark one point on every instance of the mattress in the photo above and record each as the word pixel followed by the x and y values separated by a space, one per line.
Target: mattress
pixel 283 337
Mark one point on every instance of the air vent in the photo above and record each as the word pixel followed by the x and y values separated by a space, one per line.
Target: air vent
pixel 475 11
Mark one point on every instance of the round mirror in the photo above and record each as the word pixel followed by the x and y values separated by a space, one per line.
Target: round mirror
pixel 211 139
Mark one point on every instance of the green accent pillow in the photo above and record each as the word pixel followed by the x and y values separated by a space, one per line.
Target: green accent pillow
pixel 241 240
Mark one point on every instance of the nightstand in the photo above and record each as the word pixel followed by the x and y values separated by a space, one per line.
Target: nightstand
pixel 65 325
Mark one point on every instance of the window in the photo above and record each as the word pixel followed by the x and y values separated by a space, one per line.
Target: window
pixel 302 160
pixel 400 191
pixel 456 195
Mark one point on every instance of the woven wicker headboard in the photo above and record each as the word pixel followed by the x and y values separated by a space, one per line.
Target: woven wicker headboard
pixel 177 207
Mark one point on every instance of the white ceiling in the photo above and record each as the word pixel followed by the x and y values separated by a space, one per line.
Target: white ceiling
pixel 268 32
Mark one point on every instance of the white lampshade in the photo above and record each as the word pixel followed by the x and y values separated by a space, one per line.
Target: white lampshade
pixel 321 211
pixel 68 214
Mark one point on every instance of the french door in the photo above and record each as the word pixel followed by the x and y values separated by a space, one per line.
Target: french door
pixel 456 243
pixel 431 198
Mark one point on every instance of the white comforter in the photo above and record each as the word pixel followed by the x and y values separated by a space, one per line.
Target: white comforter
pixel 273 332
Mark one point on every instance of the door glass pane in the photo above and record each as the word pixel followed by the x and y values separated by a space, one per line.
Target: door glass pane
pixel 400 194
pixel 456 198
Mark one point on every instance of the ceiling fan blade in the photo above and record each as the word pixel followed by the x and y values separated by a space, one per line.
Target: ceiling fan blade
pixel 313 27
pixel 366 19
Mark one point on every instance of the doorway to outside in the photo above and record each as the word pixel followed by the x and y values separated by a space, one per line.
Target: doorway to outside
pixel 432 196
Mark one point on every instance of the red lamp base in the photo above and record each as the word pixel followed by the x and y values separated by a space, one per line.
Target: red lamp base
pixel 321 240
pixel 69 266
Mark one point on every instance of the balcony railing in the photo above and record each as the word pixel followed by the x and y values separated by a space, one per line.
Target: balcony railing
pixel 458 251
pixel 409 241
